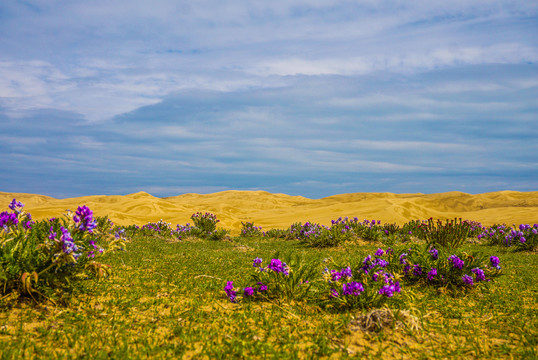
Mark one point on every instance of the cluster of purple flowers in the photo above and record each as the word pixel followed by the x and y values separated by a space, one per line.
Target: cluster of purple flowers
pixel 434 253
pixel 432 274
pixel 278 266
pixel 206 216
pixel 8 219
pixel 468 280
pixel 494 260
pixel 479 273
pixel 456 261
pixel 275 265
pixel 16 206
pixel 230 291
pixel 341 275
pixel 66 241
pixel 368 263
pixel 352 288
pixel 84 219
pixel 249 229
pixel 389 289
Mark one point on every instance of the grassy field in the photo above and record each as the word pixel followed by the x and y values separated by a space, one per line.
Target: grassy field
pixel 166 300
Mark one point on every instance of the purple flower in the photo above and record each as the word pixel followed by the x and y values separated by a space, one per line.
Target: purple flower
pixel 16 206
pixel 85 216
pixel 432 274
pixel 456 262
pixel 8 219
pixel 278 266
pixel 495 262
pixel 479 273
pixel 434 253
pixel 248 292
pixel 347 272
pixel 257 262
pixel 262 286
pixel 403 259
pixel 230 291
pixel 381 263
pixel 379 252
pixel 417 270
pixel 389 290
pixel 467 280
pixel 68 244
pixel 353 288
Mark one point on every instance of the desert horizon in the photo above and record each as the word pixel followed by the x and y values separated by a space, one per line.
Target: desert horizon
pixel 276 210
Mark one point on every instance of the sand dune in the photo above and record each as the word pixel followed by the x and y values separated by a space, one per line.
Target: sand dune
pixel 280 210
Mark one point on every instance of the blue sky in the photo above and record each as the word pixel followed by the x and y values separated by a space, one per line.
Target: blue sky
pixel 309 98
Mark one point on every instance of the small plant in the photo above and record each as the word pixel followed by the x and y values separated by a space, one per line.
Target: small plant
pixel 250 230
pixel 277 279
pixel 52 253
pixel 524 238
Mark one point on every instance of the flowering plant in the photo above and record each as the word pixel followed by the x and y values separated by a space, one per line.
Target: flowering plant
pixel 445 268
pixel 276 279
pixel 51 253
pixel 205 226
pixel 250 230
pixel 370 283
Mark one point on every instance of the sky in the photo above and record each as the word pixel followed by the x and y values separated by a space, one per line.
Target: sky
pixel 310 98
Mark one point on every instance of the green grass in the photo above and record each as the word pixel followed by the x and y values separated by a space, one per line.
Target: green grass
pixel 166 300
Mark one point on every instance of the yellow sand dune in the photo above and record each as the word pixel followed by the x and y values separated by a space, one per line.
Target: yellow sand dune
pixel 280 210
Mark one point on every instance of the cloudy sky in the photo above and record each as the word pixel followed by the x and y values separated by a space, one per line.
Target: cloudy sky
pixel 304 97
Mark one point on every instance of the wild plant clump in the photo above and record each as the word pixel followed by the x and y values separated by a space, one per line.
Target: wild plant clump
pixel 248 229
pixel 49 254
pixel 205 226
pixel 444 268
pixel 369 283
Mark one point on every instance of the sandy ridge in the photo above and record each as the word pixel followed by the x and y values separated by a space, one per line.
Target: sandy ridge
pixel 281 210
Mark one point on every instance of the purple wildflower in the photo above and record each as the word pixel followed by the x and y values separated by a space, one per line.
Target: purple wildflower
pixel 68 244
pixel 403 259
pixel 417 270
pixel 432 274
pixel 381 263
pixel 8 219
pixel 230 291
pixel 479 273
pixel 389 290
pixel 456 262
pixel 248 292
pixel 84 216
pixel 278 266
pixel 467 280
pixel 257 262
pixel 495 262
pixel 434 253
pixel 16 206
pixel 262 286
pixel 379 252
pixel 353 288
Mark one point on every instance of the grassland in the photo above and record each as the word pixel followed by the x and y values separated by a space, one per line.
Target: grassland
pixel 166 300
